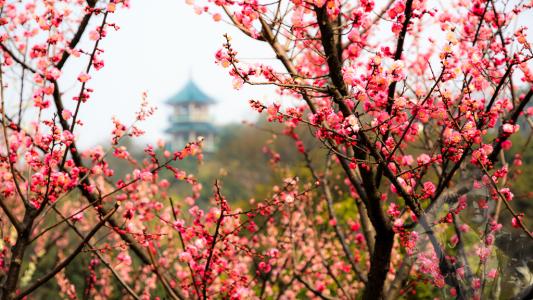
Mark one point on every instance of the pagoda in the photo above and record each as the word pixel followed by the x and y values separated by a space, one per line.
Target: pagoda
pixel 190 118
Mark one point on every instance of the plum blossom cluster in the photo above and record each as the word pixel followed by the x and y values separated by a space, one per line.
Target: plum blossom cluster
pixel 416 104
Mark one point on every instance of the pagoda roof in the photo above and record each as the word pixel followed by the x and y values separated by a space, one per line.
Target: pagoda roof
pixel 191 126
pixel 190 93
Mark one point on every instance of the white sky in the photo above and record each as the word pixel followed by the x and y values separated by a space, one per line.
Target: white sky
pixel 159 44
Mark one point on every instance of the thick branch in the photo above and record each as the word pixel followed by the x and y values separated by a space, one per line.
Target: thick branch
pixel 79 33
pixel 330 48
pixel 512 118
pixel 399 51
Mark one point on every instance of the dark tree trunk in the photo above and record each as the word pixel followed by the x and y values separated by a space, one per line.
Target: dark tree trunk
pixel 9 287
pixel 379 265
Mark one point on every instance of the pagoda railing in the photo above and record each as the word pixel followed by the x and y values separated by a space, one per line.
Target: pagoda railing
pixel 189 118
